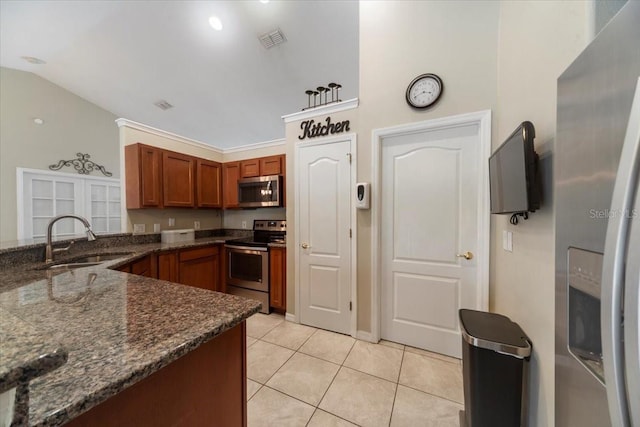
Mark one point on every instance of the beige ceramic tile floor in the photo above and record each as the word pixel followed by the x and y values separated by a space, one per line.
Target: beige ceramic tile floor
pixel 303 376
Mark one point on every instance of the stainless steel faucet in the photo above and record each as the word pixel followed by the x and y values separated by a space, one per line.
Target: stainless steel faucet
pixel 49 251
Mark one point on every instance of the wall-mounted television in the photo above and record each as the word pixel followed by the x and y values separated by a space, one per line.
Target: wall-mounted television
pixel 513 174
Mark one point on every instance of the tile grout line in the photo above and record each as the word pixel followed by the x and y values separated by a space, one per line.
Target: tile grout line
pixel 395 395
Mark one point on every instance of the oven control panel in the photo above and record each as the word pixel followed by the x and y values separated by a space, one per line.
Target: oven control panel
pixel 270 225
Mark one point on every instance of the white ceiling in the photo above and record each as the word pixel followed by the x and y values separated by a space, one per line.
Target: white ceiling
pixel 227 90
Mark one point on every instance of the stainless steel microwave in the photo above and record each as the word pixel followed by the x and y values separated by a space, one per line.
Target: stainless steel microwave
pixel 262 191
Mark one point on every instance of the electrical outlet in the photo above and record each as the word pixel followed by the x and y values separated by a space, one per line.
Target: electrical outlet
pixel 196 225
pixel 139 228
pixel 172 222
pixel 244 224
pixel 156 228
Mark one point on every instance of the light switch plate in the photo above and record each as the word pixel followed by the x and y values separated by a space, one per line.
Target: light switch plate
pixel 244 225
pixel 507 241
pixel 196 225
pixel 139 228
pixel 172 222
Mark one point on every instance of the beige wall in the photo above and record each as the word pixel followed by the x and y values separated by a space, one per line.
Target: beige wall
pixel 552 33
pixel 71 125
pixel 398 41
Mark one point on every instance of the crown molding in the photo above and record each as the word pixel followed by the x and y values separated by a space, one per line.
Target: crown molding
pixel 248 147
pixel 122 122
pixel 323 109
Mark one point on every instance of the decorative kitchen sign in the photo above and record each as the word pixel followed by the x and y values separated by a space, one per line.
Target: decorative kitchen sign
pixel 311 129
pixel 82 164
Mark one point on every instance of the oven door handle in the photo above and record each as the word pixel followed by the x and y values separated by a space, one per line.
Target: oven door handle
pixel 247 248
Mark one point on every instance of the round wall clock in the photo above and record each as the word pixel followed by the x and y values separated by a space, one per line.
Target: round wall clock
pixel 424 91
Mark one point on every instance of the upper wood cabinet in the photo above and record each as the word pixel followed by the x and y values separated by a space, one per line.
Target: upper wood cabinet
pixel 178 179
pixel 250 168
pixel 271 165
pixel 230 176
pixel 208 184
pixel 143 175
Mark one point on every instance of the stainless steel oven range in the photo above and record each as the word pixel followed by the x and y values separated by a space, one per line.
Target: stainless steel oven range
pixel 248 261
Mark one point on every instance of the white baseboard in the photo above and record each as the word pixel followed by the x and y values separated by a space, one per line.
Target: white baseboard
pixel 365 336
pixel 291 318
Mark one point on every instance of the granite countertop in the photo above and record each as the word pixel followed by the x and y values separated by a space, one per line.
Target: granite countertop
pixel 114 329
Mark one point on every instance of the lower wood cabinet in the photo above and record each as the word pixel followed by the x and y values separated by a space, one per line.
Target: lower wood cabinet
pixel 278 279
pixel 199 267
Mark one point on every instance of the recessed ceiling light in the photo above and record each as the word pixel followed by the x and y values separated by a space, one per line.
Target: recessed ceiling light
pixel 215 23
pixel 33 60
pixel 264 1
pixel 38 121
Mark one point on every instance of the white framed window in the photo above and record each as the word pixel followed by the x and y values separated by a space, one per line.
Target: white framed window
pixel 43 195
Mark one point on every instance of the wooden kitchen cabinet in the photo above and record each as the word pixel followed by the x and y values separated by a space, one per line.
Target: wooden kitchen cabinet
pixel 230 176
pixel 168 266
pixel 143 176
pixel 178 179
pixel 200 267
pixel 278 279
pixel 250 168
pixel 271 165
pixel 145 266
pixel 208 184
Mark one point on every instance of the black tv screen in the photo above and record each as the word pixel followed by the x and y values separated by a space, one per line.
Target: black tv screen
pixel 513 173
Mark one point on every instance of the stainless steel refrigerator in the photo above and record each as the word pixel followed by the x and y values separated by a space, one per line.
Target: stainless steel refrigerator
pixel 597 199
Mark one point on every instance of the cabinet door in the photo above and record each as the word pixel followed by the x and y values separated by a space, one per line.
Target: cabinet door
pixel 199 267
pixel 143 176
pixel 209 184
pixel 231 174
pixel 249 168
pixel 168 267
pixel 142 267
pixel 271 165
pixel 178 172
pixel 278 279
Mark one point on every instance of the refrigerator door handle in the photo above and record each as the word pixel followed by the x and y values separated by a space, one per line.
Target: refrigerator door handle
pixel 615 252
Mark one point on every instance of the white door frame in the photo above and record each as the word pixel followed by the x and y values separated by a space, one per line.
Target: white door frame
pixel 351 137
pixel 483 120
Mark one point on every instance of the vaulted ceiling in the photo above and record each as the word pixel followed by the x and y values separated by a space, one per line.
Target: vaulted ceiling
pixel 226 89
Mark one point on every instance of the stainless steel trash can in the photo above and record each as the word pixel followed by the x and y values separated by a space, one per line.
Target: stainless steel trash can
pixel 495 359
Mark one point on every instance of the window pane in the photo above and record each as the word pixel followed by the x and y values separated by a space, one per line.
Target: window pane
pixel 114 225
pixel 99 225
pixel 64 190
pixel 40 227
pixel 64 207
pixel 114 209
pixel 114 193
pixel 99 208
pixel 64 226
pixel 98 192
pixel 42 188
pixel 42 207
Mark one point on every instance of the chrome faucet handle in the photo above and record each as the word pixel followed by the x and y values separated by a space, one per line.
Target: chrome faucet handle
pixel 58 250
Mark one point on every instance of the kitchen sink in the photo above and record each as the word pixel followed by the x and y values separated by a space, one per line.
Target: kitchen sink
pixel 85 261
pixel 97 259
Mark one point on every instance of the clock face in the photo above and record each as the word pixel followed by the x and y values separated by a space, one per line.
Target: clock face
pixel 424 91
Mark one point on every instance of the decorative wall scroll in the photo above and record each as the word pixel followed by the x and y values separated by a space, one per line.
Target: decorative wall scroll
pixel 82 164
pixel 311 129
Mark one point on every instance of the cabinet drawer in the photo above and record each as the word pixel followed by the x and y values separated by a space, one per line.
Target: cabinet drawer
pixel 190 254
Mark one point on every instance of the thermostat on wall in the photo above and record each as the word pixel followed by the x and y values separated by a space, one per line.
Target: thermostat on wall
pixel 363 195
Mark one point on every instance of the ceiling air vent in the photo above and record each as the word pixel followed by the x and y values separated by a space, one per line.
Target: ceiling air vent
pixel 272 38
pixel 163 105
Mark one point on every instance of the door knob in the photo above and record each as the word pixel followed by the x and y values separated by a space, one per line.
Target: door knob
pixel 466 255
pixel 305 246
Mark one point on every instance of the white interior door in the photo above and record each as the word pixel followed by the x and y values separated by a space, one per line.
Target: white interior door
pixel 429 221
pixel 324 235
